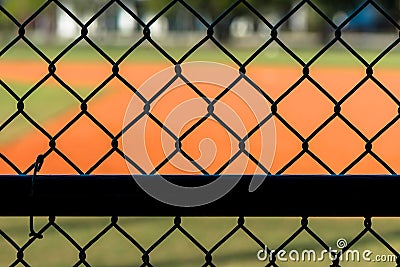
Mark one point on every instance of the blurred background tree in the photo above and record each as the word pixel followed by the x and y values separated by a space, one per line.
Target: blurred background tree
pixel 333 9
pixel 212 9
pixel 179 19
pixel 23 9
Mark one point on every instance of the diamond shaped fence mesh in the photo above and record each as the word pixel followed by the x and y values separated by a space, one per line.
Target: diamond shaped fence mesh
pixel 315 149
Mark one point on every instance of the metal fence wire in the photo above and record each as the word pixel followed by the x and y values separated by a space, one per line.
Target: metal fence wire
pixel 23 194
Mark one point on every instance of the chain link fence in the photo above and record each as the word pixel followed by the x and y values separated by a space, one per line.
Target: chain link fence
pixel 26 193
pixel 226 248
pixel 115 137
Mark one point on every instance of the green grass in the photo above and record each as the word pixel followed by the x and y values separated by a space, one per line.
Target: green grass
pixel 47 102
pixel 113 249
pixel 336 56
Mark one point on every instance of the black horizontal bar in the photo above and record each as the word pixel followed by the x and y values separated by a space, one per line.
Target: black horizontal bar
pixel 279 195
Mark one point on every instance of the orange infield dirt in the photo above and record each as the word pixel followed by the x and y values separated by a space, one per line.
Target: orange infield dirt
pixel 305 108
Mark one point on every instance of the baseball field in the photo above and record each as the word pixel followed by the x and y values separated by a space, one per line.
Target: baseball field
pixel 305 108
